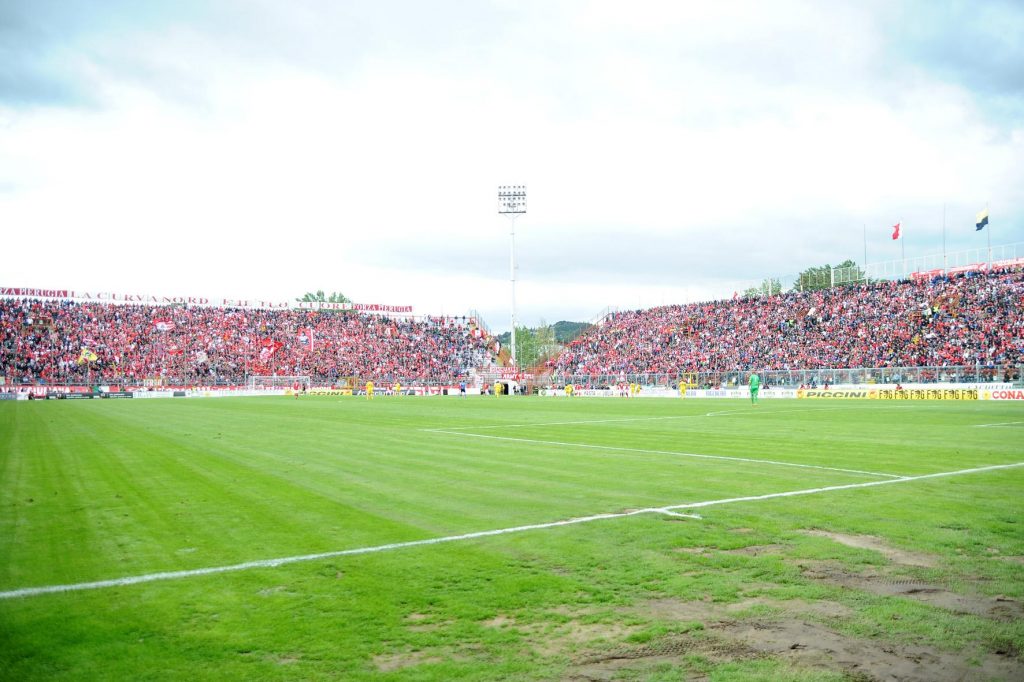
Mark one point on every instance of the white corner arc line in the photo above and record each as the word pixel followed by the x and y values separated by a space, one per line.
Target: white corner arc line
pixel 273 563
pixel 727 458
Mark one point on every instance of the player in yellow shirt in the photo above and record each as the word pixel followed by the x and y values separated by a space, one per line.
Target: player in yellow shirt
pixel 397 388
pixel 569 388
pixel 369 390
pixel 682 389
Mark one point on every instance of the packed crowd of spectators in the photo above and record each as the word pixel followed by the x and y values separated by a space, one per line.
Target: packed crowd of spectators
pixel 977 318
pixel 966 320
pixel 65 342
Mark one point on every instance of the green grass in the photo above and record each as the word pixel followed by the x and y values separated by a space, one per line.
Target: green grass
pixel 99 490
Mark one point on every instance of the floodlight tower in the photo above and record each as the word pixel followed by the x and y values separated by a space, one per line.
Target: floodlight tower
pixel 512 203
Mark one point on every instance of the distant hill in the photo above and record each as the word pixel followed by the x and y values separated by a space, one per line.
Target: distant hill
pixel 568 331
pixel 564 331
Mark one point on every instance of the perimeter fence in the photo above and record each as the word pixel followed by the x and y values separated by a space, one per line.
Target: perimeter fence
pixel 793 378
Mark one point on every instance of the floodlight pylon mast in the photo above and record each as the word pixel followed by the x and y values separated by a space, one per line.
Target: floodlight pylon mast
pixel 512 204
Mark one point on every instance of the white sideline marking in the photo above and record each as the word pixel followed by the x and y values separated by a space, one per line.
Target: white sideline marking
pixel 676 454
pixel 710 503
pixel 981 426
pixel 749 411
pixel 273 563
pixel 582 421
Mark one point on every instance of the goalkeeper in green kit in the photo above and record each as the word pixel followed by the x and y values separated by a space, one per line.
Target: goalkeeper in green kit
pixel 755 386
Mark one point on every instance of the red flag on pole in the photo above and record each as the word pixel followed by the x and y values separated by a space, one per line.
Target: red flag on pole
pixel 268 347
pixel 896 230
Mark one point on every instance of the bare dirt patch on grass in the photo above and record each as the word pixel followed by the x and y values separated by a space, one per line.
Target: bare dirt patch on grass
pixel 421 622
pixel 611 663
pixel 499 621
pixel 811 644
pixel 705 611
pixel 756 550
pixel 573 629
pixel 893 554
pixel 386 663
pixel 694 550
pixel 750 550
pixel 568 637
pixel 881 581
pixel 794 634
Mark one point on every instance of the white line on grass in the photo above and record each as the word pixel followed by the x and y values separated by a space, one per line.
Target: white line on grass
pixel 675 454
pixel 669 512
pixel 749 411
pixel 981 426
pixel 273 563
pixel 582 421
pixel 750 498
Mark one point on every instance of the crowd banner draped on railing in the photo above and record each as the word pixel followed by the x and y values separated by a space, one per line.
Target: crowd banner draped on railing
pixel 151 299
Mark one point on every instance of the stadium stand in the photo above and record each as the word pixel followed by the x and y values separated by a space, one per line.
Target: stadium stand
pixel 43 341
pixel 973 319
pixel 970 319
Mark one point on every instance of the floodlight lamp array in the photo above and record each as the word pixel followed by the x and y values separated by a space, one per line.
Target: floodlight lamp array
pixel 512 199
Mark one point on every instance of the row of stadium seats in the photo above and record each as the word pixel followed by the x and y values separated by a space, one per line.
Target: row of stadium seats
pixel 970 319
pixel 65 342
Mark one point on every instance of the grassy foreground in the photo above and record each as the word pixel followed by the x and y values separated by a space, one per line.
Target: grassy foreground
pixel 926 573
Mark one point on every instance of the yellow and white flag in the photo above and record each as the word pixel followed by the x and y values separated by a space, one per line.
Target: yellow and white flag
pixel 981 220
pixel 87 356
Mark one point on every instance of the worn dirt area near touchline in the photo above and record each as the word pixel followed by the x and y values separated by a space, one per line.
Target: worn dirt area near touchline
pixel 797 633
pixel 883 582
pixel 802 632
pixel 893 554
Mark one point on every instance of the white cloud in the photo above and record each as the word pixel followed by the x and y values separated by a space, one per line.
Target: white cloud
pixel 222 163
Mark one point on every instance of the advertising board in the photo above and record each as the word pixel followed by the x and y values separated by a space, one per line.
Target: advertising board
pixel 1004 394
pixel 890 393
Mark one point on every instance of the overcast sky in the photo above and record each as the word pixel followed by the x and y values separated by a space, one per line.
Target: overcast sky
pixel 672 150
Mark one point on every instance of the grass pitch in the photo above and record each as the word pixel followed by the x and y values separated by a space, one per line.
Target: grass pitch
pixel 919 578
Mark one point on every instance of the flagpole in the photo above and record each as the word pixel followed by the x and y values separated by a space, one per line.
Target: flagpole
pixel 988 235
pixel 903 250
pixel 944 265
pixel 864 270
